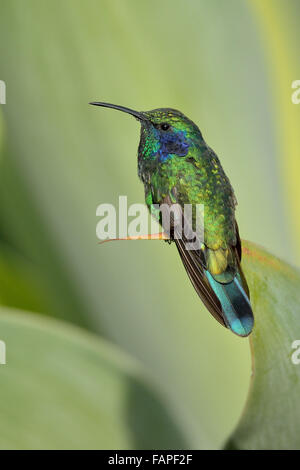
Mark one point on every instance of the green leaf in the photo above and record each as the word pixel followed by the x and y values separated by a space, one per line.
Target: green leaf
pixel 63 158
pixel 1 132
pixel 63 388
pixel 271 419
pixel 20 283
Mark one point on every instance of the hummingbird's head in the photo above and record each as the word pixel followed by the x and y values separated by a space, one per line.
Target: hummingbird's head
pixel 165 132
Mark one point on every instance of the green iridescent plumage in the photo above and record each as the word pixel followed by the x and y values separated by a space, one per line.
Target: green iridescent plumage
pixel 178 167
pixel 194 178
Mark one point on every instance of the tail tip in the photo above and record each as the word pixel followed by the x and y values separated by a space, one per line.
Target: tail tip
pixel 242 327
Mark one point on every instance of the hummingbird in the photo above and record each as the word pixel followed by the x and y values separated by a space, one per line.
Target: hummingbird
pixel 177 167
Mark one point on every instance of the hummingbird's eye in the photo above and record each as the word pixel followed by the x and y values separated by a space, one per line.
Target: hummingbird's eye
pixel 164 126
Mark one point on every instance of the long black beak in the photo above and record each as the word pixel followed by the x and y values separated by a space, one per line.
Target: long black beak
pixel 136 114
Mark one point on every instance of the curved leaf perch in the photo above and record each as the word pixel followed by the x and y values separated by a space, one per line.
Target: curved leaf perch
pixel 271 419
pixel 63 388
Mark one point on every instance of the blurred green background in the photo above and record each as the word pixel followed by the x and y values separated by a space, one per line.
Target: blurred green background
pixel 228 65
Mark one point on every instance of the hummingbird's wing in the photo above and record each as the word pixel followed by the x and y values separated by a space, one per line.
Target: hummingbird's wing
pixel 195 272
pixel 238 249
pixel 194 263
pixel 228 302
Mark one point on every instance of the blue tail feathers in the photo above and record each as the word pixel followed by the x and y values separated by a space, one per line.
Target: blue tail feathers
pixel 236 307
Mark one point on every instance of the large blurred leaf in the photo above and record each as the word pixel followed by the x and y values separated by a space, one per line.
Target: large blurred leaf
pixel 62 388
pixel 20 283
pixel 278 22
pixel 272 416
pixel 62 158
pixel 1 133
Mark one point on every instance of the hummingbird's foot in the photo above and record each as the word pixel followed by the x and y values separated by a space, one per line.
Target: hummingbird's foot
pixel 151 236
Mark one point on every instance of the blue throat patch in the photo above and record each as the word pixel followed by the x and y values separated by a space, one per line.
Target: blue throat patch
pixel 172 143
